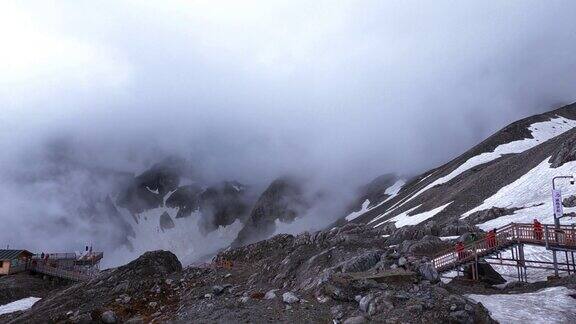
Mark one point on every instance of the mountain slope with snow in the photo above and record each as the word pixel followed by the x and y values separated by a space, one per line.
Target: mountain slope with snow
pixel 511 170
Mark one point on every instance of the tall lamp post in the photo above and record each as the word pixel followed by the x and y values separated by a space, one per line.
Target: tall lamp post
pixel 558 213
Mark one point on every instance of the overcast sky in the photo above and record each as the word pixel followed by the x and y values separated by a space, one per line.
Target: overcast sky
pixel 252 89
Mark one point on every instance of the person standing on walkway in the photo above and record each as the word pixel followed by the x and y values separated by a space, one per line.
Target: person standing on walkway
pixel 460 250
pixel 537 229
pixel 491 238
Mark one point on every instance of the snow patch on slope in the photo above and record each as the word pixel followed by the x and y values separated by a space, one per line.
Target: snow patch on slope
pixel 19 305
pixel 156 191
pixel 392 191
pixel 404 219
pixel 531 189
pixel 356 214
pixel 550 305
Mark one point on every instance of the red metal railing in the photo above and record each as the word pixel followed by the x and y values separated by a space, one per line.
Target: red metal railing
pixel 547 235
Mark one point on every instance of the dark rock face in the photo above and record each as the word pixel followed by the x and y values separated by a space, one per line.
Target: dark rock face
pixel 222 204
pixel 186 199
pixel 166 222
pixel 283 200
pixel 147 190
pixel 566 153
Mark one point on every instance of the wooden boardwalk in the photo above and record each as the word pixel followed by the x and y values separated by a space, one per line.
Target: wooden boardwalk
pixel 510 236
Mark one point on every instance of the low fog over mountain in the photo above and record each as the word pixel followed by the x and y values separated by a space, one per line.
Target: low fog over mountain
pixel 194 125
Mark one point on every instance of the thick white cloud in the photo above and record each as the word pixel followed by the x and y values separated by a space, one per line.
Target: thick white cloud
pixel 343 90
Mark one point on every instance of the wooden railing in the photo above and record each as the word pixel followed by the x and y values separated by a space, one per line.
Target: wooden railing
pixel 563 237
pixel 61 273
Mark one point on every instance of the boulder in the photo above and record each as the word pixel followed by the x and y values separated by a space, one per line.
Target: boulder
pixel 217 289
pixel 290 298
pixel 363 262
pixel 355 320
pixel 271 294
pixel 569 201
pixel 427 270
pixel 109 317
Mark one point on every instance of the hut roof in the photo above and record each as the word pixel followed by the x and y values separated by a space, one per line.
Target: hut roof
pixel 13 254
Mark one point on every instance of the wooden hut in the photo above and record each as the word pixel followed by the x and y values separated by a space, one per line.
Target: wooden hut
pixel 14 261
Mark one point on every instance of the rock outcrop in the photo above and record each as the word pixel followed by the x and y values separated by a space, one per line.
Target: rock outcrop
pixel 283 200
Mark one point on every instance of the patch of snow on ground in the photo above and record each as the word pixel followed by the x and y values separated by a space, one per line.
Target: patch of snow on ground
pixel 391 191
pixel 153 191
pixel 448 276
pixel 550 305
pixel 448 238
pixel 356 214
pixel 541 132
pixel 19 305
pixel 531 189
pixel 394 189
pixel 404 219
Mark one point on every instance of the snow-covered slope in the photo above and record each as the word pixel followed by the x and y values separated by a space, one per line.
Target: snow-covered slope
pixel 511 170
pixel 185 239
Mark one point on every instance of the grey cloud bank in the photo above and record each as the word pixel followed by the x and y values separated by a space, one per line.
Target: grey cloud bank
pixel 339 91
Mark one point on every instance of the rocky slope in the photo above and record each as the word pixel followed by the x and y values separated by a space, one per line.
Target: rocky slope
pixel 349 274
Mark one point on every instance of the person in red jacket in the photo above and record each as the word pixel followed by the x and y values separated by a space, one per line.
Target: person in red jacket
pixel 537 229
pixel 491 238
pixel 460 250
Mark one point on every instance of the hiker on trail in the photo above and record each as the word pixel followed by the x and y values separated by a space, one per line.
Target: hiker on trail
pixel 460 250
pixel 491 238
pixel 537 229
